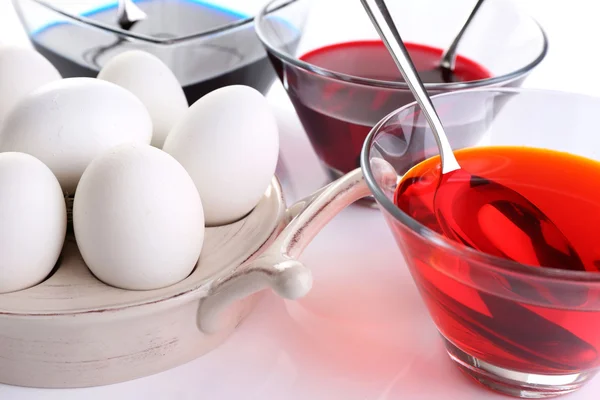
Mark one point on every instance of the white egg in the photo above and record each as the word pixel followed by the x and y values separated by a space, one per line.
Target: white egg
pixel 138 218
pixel 67 123
pixel 228 141
pixel 22 70
pixel 33 221
pixel 146 76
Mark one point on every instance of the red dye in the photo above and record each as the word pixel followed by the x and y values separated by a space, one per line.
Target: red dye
pixel 507 319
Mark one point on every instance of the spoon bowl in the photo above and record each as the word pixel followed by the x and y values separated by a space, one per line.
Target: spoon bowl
pixel 459 200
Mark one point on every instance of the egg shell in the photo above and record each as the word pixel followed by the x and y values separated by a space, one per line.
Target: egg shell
pixel 33 221
pixel 228 141
pixel 22 70
pixel 153 82
pixel 67 123
pixel 138 218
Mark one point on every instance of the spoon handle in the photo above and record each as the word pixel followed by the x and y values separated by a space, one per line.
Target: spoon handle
pixel 128 13
pixel 449 56
pixel 382 20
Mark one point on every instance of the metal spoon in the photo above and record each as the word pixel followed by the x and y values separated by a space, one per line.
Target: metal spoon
pixel 460 195
pixel 129 14
pixel 382 20
pixel 448 60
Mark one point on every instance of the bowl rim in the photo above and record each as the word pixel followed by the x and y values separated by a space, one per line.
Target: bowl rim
pixel 84 20
pixel 296 62
pixel 433 238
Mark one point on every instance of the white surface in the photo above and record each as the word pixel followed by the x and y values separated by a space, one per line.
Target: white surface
pixel 363 332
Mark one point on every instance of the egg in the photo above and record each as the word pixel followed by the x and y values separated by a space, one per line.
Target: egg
pixel 33 221
pixel 138 218
pixel 22 70
pixel 67 123
pixel 151 80
pixel 228 141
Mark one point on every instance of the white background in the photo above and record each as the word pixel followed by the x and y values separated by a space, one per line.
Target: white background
pixel 363 332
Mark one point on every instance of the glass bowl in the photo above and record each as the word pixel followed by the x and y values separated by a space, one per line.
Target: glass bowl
pixel 339 101
pixel 207 44
pixel 524 331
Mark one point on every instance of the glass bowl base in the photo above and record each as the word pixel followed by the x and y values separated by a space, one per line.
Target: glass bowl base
pixel 514 383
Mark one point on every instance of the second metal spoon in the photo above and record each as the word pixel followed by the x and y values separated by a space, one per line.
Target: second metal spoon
pixel 448 60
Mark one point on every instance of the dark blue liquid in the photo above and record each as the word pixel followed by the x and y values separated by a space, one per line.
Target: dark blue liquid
pixel 234 57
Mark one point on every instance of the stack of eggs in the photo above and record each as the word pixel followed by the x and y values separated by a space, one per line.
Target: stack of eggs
pixel 146 173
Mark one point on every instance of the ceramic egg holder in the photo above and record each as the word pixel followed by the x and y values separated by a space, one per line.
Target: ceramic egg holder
pixel 74 330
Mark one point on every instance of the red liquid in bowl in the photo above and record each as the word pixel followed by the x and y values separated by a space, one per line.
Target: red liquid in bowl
pixel 506 319
pixel 338 116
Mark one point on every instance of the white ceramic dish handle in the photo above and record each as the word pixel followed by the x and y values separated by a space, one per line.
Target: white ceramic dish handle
pixel 278 267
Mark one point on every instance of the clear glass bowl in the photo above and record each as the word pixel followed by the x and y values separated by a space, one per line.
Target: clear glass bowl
pixel 207 44
pixel 525 331
pixel 338 109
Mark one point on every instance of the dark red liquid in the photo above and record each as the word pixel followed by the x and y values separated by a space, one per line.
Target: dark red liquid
pixel 506 319
pixel 337 116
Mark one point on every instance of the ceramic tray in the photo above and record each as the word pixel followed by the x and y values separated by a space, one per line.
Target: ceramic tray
pixel 72 330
